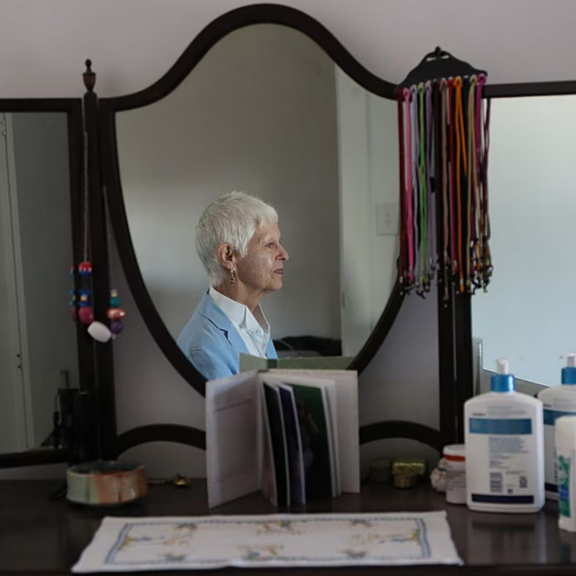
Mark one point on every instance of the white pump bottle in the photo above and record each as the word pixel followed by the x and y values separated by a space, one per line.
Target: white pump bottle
pixel 504 448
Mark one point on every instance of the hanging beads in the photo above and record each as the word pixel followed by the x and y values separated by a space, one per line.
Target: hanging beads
pixel 115 313
pixel 86 312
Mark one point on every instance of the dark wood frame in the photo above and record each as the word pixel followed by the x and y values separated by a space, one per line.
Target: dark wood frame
pixel 72 107
pixel 103 408
pixel 108 107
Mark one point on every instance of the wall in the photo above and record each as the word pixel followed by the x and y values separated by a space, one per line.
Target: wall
pixel 257 114
pixel 44 44
pixel 528 313
pixel 134 42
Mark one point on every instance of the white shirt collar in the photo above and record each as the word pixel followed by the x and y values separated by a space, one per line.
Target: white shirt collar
pixel 240 313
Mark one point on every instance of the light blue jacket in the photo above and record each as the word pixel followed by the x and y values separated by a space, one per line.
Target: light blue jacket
pixel 211 342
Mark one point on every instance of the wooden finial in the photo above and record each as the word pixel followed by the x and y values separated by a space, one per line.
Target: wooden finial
pixel 89 76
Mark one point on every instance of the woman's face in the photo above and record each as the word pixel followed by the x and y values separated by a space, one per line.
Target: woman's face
pixel 262 269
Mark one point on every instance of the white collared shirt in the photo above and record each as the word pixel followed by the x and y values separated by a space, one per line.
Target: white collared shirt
pixel 253 328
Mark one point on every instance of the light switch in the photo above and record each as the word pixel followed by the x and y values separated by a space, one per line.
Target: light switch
pixel 386 218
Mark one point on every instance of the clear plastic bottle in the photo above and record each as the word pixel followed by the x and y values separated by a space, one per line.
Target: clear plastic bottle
pixel 566 454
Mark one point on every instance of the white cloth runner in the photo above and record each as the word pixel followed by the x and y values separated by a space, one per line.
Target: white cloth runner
pixel 157 543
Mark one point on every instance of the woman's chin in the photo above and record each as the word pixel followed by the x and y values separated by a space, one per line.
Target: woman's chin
pixel 277 284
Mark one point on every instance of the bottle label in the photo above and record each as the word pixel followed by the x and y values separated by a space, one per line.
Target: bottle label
pixel 550 417
pixel 564 463
pixel 505 465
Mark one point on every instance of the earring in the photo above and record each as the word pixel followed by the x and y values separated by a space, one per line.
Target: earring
pixel 232 277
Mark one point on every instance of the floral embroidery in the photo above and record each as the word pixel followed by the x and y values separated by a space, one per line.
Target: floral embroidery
pixel 188 526
pixel 131 540
pixel 170 557
pixel 260 552
pixel 379 538
pixel 355 554
pixel 277 527
pixel 359 522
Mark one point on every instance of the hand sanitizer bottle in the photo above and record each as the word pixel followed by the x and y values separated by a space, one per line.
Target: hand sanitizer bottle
pixel 558 401
pixel 566 451
pixel 504 448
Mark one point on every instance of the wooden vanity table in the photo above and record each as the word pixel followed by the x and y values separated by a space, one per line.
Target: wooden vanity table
pixel 39 535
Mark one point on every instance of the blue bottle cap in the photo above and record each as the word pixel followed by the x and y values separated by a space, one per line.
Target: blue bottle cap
pixel 569 371
pixel 503 381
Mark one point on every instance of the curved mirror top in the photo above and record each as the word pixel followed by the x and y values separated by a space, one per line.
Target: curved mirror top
pixel 267 112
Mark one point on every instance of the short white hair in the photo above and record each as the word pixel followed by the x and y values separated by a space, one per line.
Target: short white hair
pixel 232 219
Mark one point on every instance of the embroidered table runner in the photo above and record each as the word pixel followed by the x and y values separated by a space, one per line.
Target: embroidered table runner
pixel 157 543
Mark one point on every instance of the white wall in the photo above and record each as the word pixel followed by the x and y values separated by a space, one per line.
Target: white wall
pixel 529 311
pixel 134 42
pixel 257 114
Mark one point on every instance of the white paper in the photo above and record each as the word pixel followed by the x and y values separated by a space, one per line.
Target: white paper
pixel 232 437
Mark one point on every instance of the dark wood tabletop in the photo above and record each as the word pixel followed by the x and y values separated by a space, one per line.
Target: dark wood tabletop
pixel 40 535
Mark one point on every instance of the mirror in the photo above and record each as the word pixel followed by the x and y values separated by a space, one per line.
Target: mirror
pixel 267 111
pixel 38 342
pixel 528 313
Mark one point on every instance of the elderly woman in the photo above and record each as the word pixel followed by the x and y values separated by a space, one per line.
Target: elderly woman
pixel 238 241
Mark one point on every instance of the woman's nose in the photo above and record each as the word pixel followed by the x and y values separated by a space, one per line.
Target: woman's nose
pixel 284 254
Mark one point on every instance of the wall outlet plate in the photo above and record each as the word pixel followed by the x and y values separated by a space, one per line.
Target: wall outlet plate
pixel 386 218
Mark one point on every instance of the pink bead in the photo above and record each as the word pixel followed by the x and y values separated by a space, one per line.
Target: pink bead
pixel 116 327
pixel 86 315
pixel 116 313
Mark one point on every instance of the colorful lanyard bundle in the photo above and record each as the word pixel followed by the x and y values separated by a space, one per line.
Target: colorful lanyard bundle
pixel 444 225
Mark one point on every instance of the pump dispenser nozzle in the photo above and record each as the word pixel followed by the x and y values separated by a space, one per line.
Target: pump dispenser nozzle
pixel 503 381
pixel 569 371
pixel 502 366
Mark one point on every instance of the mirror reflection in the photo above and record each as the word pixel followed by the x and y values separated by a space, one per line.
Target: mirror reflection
pixel 268 113
pixel 38 348
pixel 528 313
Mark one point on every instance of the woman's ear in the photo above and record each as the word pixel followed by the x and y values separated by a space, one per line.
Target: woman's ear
pixel 226 256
